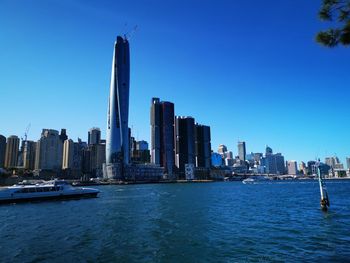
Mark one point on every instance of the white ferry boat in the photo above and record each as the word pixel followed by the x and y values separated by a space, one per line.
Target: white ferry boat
pixel 256 179
pixel 51 190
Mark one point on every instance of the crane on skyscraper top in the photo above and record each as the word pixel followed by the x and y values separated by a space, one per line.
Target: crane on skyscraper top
pixel 129 34
pixel 26 133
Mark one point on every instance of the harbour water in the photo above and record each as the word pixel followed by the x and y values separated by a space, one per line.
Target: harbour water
pixel 198 222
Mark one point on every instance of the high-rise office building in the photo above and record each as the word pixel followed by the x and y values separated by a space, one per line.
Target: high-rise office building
pixel 348 162
pixel 184 145
pixel 274 163
pixel 97 159
pixel 303 168
pixel 162 135
pixel 117 140
pixel 63 135
pixel 257 157
pixel 29 155
pixel 268 150
pixel 141 145
pixel 222 149
pixel 334 163
pixel 94 136
pixel 292 167
pixel 202 146
pixel 140 153
pixel 311 167
pixel 72 155
pixel 2 150
pixel 155 118
pixel 11 154
pixel 241 151
pixel 49 151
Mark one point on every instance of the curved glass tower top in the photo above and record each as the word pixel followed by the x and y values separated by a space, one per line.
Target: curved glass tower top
pixel 117 139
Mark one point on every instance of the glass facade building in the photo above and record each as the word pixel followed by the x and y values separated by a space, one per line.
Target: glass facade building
pixel 117 137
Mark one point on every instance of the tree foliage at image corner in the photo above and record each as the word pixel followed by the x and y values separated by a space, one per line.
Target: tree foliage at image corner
pixel 336 12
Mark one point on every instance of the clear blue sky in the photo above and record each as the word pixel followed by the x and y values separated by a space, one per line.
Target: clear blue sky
pixel 249 69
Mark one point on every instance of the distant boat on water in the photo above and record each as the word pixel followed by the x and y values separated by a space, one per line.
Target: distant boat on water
pixel 255 179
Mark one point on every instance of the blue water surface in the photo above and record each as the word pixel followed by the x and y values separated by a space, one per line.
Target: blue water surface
pixel 189 222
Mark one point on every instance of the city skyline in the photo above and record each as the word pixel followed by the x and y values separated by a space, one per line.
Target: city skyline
pixel 299 121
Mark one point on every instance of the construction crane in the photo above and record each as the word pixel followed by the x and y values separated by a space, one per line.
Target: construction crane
pixel 129 34
pixel 26 133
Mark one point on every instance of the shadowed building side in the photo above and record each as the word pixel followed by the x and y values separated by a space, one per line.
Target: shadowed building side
pixel 202 146
pixel 162 135
pixel 184 145
pixel 2 150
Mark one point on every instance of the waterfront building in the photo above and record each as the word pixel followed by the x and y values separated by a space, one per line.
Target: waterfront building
pixel 162 135
pixel 273 163
pixel 241 151
pixel 334 163
pixel 348 162
pixel 257 157
pixel 29 152
pixel 85 161
pixel 11 153
pixel 94 136
pixel 303 168
pixel 311 167
pixel 49 151
pixel 97 159
pixel 338 166
pixel 141 145
pixel 72 155
pixel 202 146
pixel 93 160
pixel 140 153
pixel 2 150
pixel 222 149
pixel 228 155
pixel 229 161
pixel 280 167
pixel 117 140
pixel 184 145
pixel 143 173
pixel 250 159
pixel 292 167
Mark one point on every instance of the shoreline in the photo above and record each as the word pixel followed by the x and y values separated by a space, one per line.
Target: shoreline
pixel 181 181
